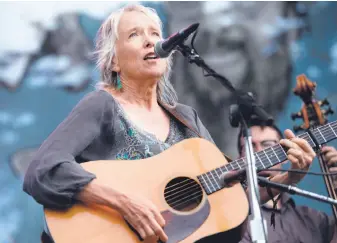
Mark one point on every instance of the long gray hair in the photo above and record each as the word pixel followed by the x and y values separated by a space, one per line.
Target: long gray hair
pixel 105 51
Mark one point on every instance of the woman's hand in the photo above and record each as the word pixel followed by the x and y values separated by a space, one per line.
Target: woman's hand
pixel 144 217
pixel 140 213
pixel 299 153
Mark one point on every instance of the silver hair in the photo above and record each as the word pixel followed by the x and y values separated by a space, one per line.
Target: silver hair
pixel 105 51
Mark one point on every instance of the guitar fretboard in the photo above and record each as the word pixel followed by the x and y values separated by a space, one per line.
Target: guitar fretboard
pixel 266 158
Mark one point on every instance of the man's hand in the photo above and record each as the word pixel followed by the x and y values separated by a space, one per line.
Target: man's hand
pixel 300 154
pixel 330 157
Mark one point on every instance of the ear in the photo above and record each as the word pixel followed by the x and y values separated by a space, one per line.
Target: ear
pixel 115 66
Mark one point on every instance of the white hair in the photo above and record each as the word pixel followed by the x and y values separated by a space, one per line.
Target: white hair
pixel 105 51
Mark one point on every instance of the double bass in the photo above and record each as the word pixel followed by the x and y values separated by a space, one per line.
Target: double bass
pixel 313 113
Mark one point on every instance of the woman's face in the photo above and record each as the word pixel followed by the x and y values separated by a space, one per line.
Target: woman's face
pixel 137 35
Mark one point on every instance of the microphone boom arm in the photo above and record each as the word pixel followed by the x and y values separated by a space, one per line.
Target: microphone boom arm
pixel 245 100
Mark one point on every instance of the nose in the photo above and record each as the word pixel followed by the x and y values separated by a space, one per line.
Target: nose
pixel 148 42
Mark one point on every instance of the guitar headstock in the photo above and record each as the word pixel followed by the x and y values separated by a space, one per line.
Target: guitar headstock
pixel 312 112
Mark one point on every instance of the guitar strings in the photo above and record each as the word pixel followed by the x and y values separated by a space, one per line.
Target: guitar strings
pixel 241 165
pixel 188 192
pixel 324 130
pixel 199 192
pixel 190 199
pixel 195 186
pixel 277 151
pixel 186 198
pixel 187 179
pixel 170 192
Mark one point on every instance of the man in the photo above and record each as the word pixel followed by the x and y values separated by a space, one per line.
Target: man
pixel 292 223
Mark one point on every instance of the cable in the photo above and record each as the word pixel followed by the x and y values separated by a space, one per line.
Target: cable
pixel 192 42
pixel 302 172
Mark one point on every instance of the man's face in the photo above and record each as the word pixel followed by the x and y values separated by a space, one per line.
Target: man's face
pixel 262 138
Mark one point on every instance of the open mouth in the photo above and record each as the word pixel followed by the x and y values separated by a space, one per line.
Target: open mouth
pixel 150 55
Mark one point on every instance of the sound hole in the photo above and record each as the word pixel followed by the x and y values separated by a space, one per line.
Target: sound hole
pixel 183 194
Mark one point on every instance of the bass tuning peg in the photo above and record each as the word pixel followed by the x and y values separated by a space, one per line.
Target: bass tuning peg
pixel 296 115
pixel 297 128
pixel 323 102
pixel 328 111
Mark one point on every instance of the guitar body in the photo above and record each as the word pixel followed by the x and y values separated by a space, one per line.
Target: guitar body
pixel 190 215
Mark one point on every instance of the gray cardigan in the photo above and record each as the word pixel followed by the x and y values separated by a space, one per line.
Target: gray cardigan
pixel 55 176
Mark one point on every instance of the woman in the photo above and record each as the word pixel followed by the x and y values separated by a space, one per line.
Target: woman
pixel 133 115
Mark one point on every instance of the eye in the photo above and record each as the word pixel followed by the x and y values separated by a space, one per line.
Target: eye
pixel 132 34
pixel 268 143
pixel 156 33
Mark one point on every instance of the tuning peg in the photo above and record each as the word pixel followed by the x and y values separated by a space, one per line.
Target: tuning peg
pixel 296 115
pixel 328 111
pixel 297 128
pixel 323 102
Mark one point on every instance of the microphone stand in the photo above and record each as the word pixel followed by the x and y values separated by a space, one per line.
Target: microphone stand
pixel 241 112
pixel 295 190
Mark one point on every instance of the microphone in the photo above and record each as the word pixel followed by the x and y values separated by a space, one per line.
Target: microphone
pixel 229 178
pixel 163 48
pixel 264 182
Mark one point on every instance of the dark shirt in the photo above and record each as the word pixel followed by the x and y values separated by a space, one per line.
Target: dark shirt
pixel 296 224
pixel 97 129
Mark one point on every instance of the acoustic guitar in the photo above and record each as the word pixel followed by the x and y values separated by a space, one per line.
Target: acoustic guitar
pixel 183 182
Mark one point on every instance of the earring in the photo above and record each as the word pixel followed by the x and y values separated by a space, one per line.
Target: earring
pixel 119 83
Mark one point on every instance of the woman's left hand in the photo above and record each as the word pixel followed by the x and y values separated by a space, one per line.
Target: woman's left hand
pixel 299 153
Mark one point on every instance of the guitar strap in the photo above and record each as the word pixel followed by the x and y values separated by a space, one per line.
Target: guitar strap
pixel 271 195
pixel 183 121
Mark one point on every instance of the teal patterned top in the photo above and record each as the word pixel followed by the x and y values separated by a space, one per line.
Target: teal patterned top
pixel 135 143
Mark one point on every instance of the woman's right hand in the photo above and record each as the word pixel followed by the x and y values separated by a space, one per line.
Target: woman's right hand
pixel 140 213
pixel 144 217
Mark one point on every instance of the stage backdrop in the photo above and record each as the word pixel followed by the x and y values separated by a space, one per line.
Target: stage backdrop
pixel 46 68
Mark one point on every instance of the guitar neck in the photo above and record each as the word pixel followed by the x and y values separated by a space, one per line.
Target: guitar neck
pixel 267 158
